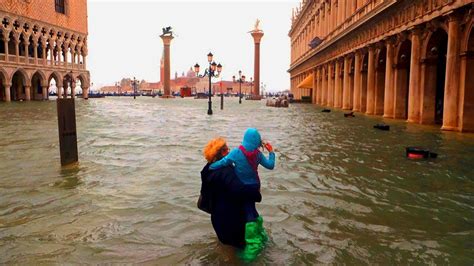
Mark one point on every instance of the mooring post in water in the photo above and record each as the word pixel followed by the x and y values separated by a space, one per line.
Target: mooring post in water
pixel 67 130
pixel 222 101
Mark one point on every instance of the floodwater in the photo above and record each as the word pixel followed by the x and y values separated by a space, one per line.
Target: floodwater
pixel 342 192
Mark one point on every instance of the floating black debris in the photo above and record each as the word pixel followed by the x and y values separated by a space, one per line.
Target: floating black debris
pixel 382 127
pixel 326 111
pixel 419 153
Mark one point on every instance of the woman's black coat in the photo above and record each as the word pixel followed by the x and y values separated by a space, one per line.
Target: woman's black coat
pixel 222 190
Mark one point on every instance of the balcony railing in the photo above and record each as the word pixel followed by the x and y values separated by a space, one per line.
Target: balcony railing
pixel 30 61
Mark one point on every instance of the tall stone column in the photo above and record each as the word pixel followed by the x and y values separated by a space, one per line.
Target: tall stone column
pixel 319 96
pixel 73 89
pixel 357 81
pixel 59 91
pixel 337 86
pixel 389 90
pixel 166 80
pixel 415 72
pixel 315 85
pixel 7 92
pixel 371 82
pixel 330 93
pixel 324 88
pixel 257 35
pixel 346 93
pixel 451 88
pixel 27 93
pixel 45 92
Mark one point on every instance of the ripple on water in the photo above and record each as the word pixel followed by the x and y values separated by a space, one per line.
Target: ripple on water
pixel 341 193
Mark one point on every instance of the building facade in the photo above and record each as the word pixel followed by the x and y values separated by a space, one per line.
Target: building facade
pixel 401 59
pixel 42 40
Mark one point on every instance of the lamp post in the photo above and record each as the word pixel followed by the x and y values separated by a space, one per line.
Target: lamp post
pixel 251 85
pixel 118 88
pixel 240 81
pixel 134 86
pixel 211 73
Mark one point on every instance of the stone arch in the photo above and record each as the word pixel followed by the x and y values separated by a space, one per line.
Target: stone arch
pixel 4 80
pixel 20 81
pixel 57 81
pixel 38 84
pixel 380 65
pixel 434 76
pixel 402 79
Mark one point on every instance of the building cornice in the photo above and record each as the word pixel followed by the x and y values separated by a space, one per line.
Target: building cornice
pixel 375 12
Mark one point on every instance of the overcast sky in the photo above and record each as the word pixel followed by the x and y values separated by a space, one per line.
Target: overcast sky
pixel 124 38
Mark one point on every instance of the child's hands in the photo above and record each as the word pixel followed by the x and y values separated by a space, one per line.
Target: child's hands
pixel 268 146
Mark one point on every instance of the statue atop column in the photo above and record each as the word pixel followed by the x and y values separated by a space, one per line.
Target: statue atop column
pixel 257 26
pixel 167 36
pixel 167 31
pixel 257 35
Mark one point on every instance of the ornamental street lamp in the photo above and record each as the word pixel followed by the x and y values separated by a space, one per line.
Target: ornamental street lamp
pixel 240 81
pixel 134 86
pixel 119 89
pixel 211 73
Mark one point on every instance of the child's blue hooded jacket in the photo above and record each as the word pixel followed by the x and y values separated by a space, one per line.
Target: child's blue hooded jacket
pixel 244 171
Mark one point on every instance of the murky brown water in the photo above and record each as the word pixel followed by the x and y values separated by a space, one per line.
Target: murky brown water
pixel 342 192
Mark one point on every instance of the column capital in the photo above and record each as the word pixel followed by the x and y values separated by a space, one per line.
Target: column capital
pixel 454 15
pixel 166 39
pixel 392 40
pixel 417 30
pixel 16 37
pixel 380 45
pixel 257 36
pixel 6 34
pixel 34 41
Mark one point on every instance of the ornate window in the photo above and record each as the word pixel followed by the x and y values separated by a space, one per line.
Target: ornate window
pixel 60 6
